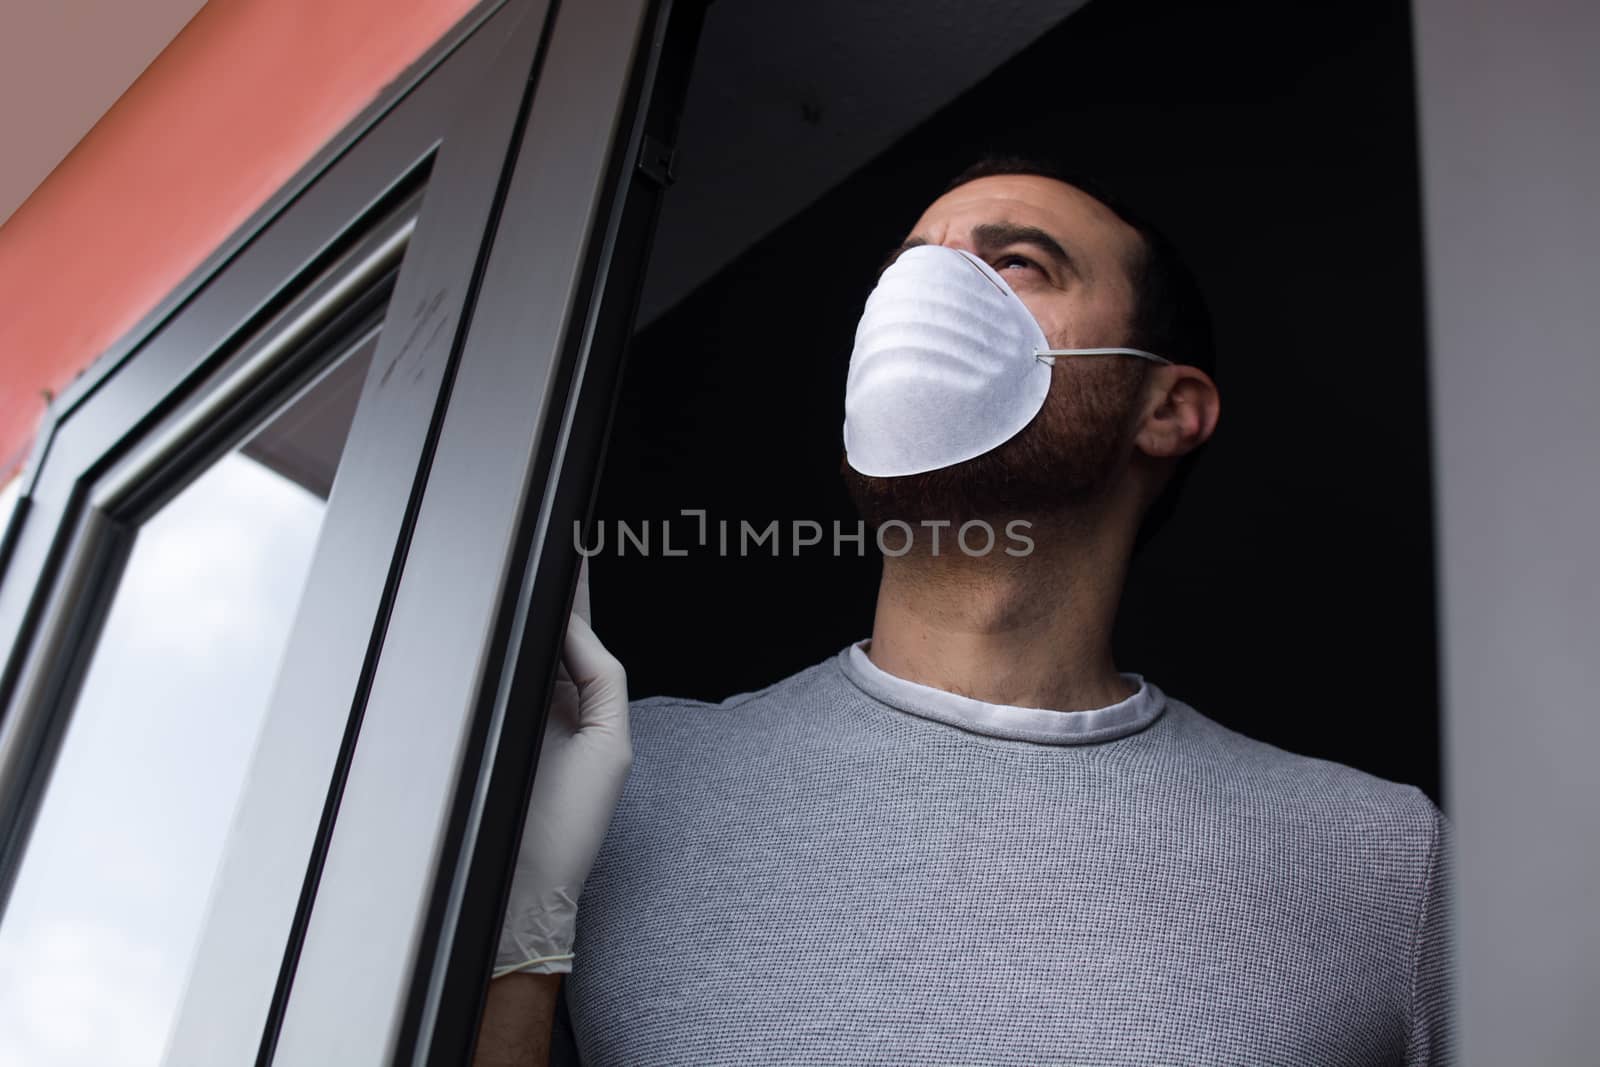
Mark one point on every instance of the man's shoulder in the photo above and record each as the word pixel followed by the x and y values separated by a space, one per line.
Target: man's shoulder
pixel 1259 777
pixel 656 712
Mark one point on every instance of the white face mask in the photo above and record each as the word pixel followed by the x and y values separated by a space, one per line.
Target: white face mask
pixel 948 364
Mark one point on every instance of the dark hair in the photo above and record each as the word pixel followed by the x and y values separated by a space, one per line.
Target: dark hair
pixel 1170 317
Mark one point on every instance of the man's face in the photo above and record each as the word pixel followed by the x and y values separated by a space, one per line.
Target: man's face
pixel 1066 256
pixel 1063 252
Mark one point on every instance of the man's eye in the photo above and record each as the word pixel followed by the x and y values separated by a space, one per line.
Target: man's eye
pixel 1014 260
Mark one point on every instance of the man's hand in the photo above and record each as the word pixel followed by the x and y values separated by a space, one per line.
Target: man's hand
pixel 582 767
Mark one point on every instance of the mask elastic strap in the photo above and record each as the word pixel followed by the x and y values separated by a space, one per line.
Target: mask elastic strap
pixel 1048 355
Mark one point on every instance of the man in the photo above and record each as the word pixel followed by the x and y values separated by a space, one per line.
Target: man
pixel 971 839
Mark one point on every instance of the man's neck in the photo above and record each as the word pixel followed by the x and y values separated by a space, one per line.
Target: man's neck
pixel 1031 631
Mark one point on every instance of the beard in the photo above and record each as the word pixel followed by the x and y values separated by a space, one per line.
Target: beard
pixel 1059 463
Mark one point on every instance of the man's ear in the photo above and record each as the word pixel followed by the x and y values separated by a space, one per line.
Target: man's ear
pixel 1181 413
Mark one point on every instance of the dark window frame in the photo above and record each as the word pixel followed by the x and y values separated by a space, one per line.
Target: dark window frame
pixel 537 128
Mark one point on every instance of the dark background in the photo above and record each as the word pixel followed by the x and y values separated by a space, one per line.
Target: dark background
pixel 1291 598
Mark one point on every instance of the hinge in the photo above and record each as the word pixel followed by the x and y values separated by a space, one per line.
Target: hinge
pixel 655 161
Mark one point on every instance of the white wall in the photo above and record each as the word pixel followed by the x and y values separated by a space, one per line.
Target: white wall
pixel 1510 111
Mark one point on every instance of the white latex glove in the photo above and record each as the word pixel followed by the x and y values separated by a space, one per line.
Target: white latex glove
pixel 585 759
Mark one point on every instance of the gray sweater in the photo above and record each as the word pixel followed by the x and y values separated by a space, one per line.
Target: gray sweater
pixel 848 868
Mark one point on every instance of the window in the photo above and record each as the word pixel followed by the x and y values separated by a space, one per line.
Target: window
pixel 108 904
pixel 361 795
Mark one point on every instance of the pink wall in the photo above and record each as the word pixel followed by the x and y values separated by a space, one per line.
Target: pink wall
pixel 240 100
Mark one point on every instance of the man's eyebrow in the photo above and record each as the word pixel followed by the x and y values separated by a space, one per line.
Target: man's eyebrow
pixel 991 236
pixel 908 243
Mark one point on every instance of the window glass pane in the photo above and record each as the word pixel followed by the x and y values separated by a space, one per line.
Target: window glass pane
pixel 111 896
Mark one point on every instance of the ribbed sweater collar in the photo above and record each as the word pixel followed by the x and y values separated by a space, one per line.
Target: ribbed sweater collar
pixel 1006 721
